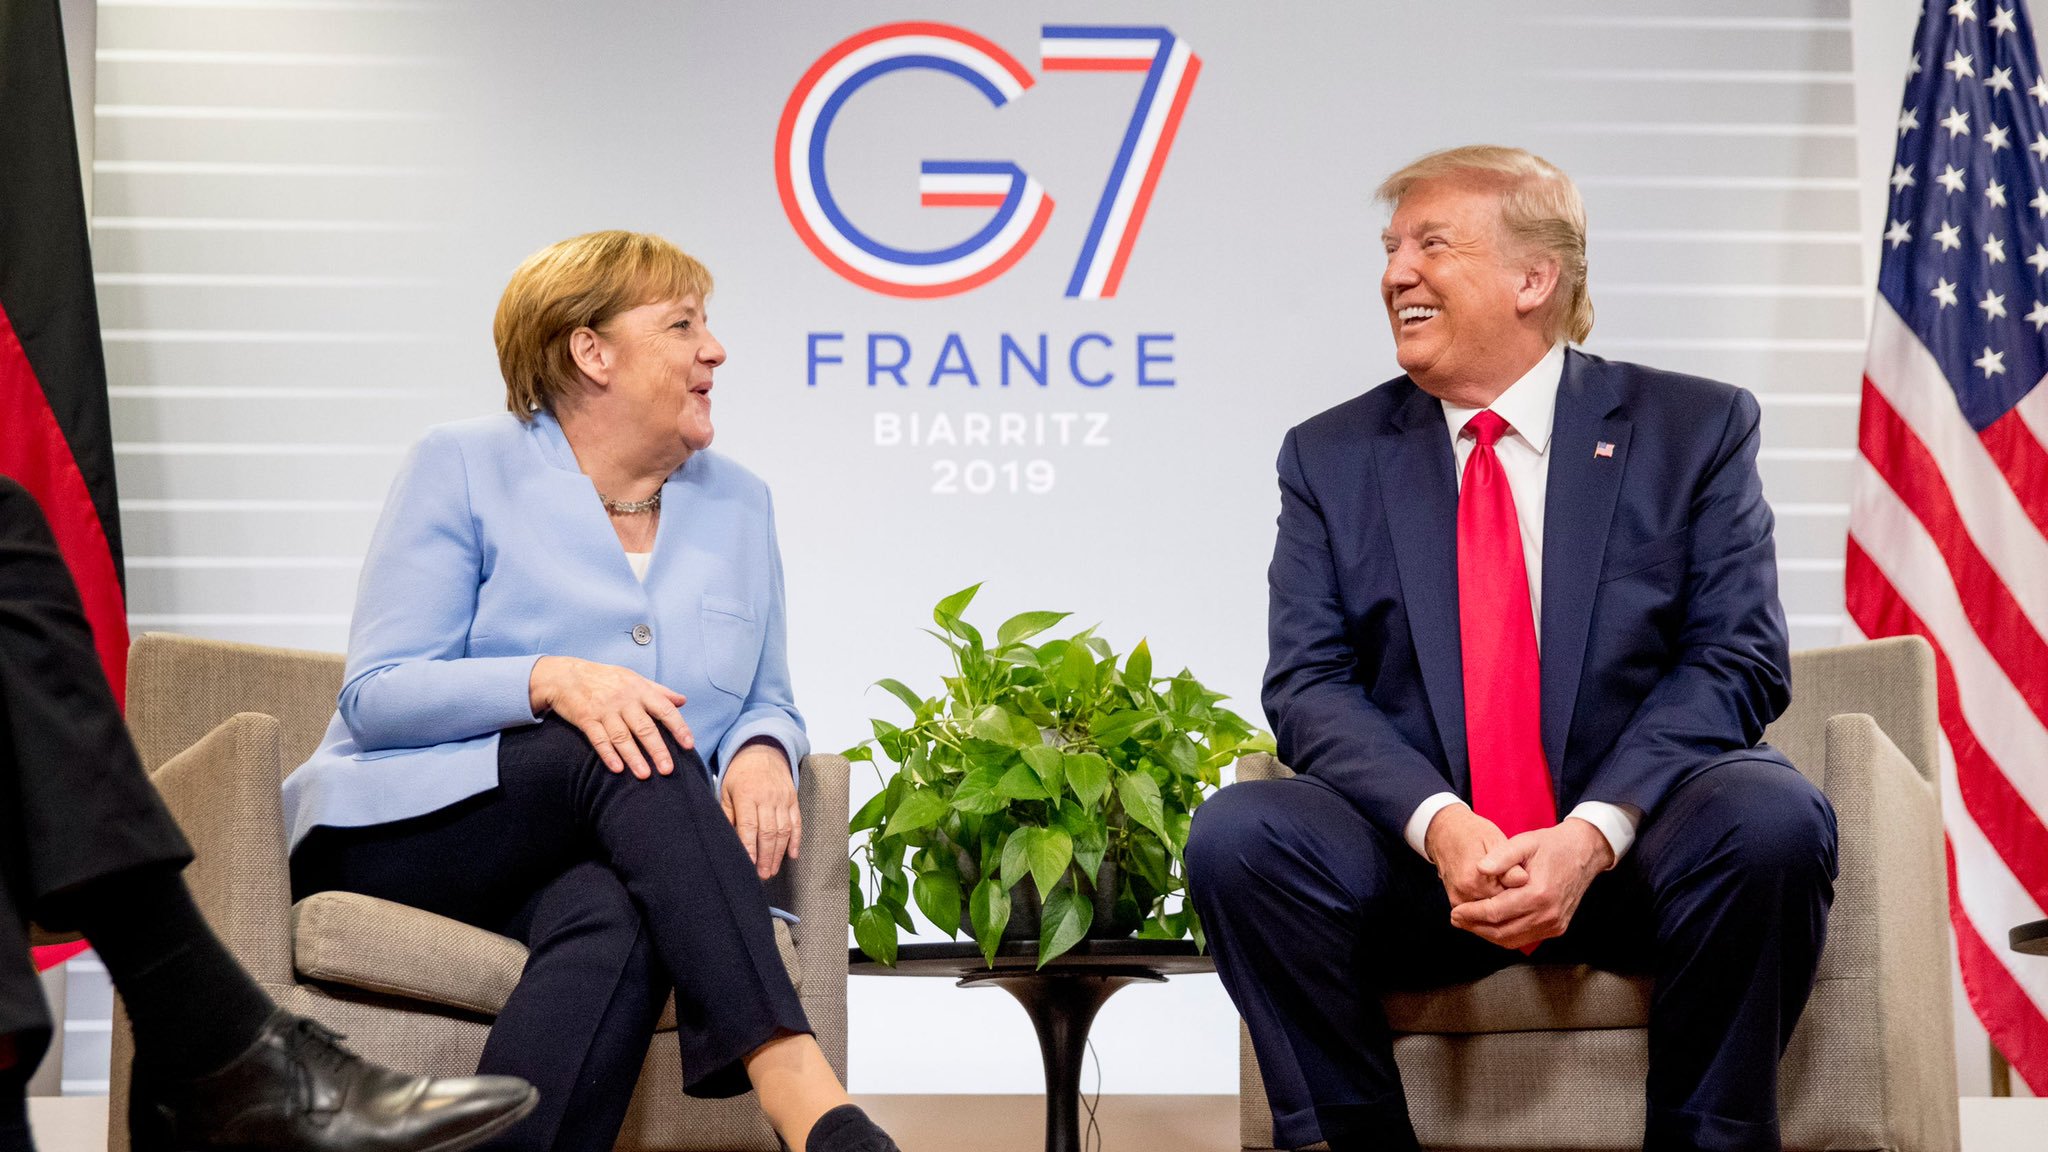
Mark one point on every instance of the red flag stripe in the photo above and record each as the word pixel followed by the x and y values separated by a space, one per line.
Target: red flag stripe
pixel 1906 374
pixel 2010 1016
pixel 2023 462
pixel 35 452
pixel 1898 454
pixel 2008 822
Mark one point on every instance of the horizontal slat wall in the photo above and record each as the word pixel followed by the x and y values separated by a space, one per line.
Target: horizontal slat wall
pixel 271 209
pixel 1718 157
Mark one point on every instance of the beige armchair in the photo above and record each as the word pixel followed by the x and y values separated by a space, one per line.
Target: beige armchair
pixel 1553 1057
pixel 219 725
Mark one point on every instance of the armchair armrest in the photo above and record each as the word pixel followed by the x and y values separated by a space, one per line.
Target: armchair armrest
pixel 818 896
pixel 224 792
pixel 1262 766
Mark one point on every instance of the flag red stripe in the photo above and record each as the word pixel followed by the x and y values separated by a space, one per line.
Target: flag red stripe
pixel 1895 450
pixel 35 452
pixel 2023 462
pixel 2008 822
pixel 2010 1016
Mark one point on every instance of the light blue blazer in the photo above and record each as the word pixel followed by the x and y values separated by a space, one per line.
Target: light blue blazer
pixel 492 552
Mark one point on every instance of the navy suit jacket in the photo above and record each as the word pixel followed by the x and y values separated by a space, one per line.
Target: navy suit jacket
pixel 1663 642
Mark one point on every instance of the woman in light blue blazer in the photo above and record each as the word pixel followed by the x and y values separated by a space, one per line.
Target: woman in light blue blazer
pixel 567 713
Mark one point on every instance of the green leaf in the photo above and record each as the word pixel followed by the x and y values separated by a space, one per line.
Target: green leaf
pixel 1177 832
pixel 999 725
pixel 1045 760
pixel 938 894
pixel 1088 775
pixel 1016 858
pixel 1140 796
pixel 870 814
pixel 1138 667
pixel 860 753
pixel 1091 844
pixel 875 931
pixel 1021 783
pixel 1063 923
pixel 1025 625
pixel 1181 755
pixel 920 809
pixel 855 898
pixel 1050 850
pixel 1117 727
pixel 1077 670
pixel 977 793
pixel 901 691
pixel 988 910
pixel 952 606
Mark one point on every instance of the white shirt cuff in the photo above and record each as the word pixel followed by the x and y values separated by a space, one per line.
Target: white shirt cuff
pixel 1417 830
pixel 1617 822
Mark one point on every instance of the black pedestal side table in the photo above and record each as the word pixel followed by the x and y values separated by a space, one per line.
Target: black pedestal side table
pixel 1061 998
pixel 2031 938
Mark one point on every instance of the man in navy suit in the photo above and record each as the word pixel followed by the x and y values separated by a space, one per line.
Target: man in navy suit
pixel 1525 637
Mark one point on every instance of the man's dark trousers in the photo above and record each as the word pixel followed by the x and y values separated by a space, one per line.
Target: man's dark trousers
pixel 74 802
pixel 1311 910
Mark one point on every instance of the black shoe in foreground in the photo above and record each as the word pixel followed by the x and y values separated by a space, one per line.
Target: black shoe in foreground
pixel 297 1088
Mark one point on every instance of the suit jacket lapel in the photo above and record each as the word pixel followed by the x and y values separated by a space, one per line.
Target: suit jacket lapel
pixel 1419 488
pixel 1578 508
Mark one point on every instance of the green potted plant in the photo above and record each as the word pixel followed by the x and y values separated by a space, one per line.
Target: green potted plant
pixel 1048 784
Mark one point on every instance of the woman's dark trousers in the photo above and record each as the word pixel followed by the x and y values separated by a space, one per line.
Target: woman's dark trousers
pixel 620 887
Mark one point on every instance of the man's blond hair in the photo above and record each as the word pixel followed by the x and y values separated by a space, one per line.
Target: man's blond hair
pixel 1540 209
pixel 581 282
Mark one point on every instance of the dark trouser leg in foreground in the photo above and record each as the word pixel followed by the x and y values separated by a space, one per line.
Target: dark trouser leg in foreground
pixel 578 1024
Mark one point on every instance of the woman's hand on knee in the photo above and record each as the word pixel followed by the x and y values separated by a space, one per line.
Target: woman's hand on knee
pixel 759 796
pixel 618 710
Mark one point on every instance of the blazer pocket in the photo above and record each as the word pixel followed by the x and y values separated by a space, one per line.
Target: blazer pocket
pixel 732 644
pixel 1662 550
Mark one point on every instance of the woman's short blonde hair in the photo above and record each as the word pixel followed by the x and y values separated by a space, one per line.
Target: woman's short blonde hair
pixel 581 282
pixel 1540 208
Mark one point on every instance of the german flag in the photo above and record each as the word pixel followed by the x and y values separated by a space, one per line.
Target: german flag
pixel 54 429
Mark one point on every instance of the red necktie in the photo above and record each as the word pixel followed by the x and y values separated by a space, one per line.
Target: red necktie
pixel 1503 686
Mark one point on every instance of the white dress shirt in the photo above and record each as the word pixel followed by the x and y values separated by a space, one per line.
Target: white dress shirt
pixel 1529 406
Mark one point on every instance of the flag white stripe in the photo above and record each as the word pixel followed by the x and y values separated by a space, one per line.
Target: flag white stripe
pixel 1899 545
pixel 2033 410
pixel 1906 373
pixel 1990 897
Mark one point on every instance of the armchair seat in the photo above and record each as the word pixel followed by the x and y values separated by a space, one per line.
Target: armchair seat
pixel 1552 1056
pixel 361 942
pixel 1525 998
pixel 220 725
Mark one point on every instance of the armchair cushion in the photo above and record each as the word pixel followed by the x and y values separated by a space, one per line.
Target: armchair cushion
pixel 1525 998
pixel 393 950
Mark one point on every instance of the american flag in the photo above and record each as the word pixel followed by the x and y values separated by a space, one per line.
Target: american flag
pixel 1948 534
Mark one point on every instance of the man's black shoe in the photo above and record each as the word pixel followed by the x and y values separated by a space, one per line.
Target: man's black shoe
pixel 297 1088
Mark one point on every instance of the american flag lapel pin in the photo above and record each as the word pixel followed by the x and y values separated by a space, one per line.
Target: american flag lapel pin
pixel 1603 450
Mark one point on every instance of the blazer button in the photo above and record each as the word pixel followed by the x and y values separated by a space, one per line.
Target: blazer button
pixel 642 634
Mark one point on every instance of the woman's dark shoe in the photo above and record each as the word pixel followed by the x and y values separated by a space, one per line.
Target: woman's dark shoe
pixel 847 1129
pixel 296 1087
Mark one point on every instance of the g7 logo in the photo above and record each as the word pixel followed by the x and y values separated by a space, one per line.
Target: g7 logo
pixel 1021 205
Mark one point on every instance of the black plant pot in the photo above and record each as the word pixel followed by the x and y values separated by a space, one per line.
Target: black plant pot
pixel 1025 907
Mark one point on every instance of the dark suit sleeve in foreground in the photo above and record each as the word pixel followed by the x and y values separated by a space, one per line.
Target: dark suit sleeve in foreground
pixel 1323 721
pixel 1732 676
